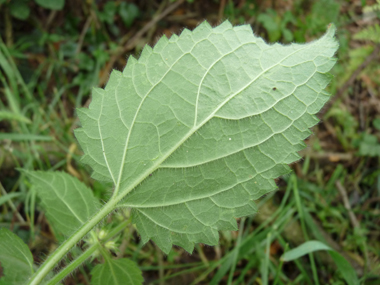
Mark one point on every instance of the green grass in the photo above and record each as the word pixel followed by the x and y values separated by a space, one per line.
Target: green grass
pixel 48 72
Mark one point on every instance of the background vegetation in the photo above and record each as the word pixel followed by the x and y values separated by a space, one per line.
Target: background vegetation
pixel 53 52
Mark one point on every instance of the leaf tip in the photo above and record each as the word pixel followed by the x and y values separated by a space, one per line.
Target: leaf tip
pixel 145 54
pixel 162 42
pixel 330 34
pixel 331 28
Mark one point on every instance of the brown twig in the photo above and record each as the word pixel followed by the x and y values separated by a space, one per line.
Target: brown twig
pixel 346 203
pixel 69 156
pixel 221 10
pixel 50 19
pixel 352 78
pixel 331 156
pixel 8 27
pixel 10 203
pixel 366 205
pixel 83 33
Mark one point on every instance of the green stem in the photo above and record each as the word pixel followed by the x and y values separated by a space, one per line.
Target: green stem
pixel 102 250
pixel 265 271
pixel 236 255
pixel 303 226
pixel 73 265
pixel 64 248
pixel 79 260
pixel 278 273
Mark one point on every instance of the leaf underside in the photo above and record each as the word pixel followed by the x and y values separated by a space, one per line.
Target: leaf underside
pixel 16 259
pixel 199 126
pixel 68 202
pixel 116 271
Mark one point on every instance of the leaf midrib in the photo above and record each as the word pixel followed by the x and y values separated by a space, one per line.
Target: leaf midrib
pixel 253 145
pixel 117 186
pixel 150 170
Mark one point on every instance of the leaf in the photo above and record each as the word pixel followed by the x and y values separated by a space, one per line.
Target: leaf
pixel 343 265
pixel 15 259
pixel 19 9
pixel 10 196
pixel 303 249
pixel 128 13
pixel 120 271
pixel 201 125
pixel 376 124
pixel 7 115
pixel 371 33
pixel 108 13
pixel 51 4
pixel 369 145
pixel 348 273
pixel 24 137
pixel 67 201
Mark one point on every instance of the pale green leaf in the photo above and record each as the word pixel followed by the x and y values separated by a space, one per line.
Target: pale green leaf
pixel 8 115
pixel 24 137
pixel 10 196
pixel 117 272
pixel 67 201
pixel 15 259
pixel 345 268
pixel 303 249
pixel 371 33
pixel 200 126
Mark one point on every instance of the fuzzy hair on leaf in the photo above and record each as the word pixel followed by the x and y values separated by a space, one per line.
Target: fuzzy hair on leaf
pixel 199 126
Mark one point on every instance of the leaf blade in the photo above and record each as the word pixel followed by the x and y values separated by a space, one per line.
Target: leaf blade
pixel 200 126
pixel 15 258
pixel 67 201
pixel 119 271
pixel 303 249
pixel 343 265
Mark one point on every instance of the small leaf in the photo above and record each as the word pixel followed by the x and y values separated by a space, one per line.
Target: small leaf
pixel 15 259
pixel 7 115
pixel 117 272
pixel 67 201
pixel 198 127
pixel 376 123
pixel 51 4
pixel 128 13
pixel 10 196
pixel 369 145
pixel 348 273
pixel 19 9
pixel 303 249
pixel 345 268
pixel 108 13
pixel 371 33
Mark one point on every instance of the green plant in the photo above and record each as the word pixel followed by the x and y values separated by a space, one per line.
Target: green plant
pixel 371 33
pixel 189 135
pixel 20 8
pixel 276 25
pixel 311 246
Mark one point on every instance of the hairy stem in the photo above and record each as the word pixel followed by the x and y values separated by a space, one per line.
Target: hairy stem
pixel 82 258
pixel 64 248
pixel 73 265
